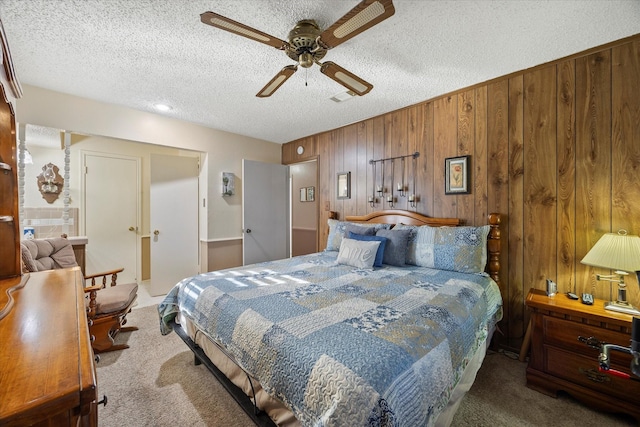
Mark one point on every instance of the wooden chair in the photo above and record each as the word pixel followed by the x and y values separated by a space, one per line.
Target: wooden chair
pixel 107 306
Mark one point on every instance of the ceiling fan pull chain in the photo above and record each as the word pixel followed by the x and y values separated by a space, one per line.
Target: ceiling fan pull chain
pixel 306 74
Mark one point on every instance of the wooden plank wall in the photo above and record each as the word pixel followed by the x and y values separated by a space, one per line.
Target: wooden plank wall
pixel 555 149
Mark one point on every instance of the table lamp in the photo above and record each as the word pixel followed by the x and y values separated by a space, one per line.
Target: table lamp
pixel 619 252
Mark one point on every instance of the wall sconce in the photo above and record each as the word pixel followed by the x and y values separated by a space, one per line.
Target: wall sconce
pixel 401 189
pixel 619 252
pixel 50 182
pixel 412 200
pixel 372 201
pixel 228 184
pixel 390 200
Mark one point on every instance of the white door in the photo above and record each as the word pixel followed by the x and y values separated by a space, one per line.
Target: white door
pixel 174 221
pixel 265 211
pixel 111 207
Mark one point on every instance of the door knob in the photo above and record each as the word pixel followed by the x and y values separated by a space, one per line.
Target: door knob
pixel 156 232
pixel 248 230
pixel 132 229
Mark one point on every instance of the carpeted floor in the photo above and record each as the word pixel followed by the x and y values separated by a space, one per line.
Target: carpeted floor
pixel 155 383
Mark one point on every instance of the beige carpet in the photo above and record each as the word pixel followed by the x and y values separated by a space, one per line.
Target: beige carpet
pixel 155 383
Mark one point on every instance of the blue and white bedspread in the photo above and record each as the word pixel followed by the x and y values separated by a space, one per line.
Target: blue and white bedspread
pixel 342 346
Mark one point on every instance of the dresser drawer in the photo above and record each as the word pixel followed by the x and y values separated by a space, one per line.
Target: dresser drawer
pixel 565 334
pixel 583 371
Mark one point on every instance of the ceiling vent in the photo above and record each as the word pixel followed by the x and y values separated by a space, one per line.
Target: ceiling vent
pixel 343 96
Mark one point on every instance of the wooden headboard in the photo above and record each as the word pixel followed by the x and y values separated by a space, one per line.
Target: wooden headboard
pixel 413 218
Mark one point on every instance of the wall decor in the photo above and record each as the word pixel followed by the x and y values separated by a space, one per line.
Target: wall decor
pixel 50 182
pixel 344 185
pixel 401 187
pixel 228 184
pixel 456 176
pixel 307 194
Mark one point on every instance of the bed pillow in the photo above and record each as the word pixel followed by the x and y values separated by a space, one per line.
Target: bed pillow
pixel 370 238
pixel 462 249
pixel 395 251
pixel 411 243
pixel 359 229
pixel 337 232
pixel 356 253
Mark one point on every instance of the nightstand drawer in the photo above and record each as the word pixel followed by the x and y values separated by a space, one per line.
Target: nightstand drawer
pixel 583 371
pixel 565 334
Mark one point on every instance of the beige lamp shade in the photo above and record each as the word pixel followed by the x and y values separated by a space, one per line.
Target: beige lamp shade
pixel 616 251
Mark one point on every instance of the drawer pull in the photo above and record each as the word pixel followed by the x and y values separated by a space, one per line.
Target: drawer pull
pixel 592 342
pixel 594 375
pixel 103 401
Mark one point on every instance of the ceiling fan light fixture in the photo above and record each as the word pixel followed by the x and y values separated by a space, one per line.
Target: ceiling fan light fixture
pixel 305 60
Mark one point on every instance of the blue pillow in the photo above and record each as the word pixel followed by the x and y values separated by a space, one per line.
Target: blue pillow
pixel 366 238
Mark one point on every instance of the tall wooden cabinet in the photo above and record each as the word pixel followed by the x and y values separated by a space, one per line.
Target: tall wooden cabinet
pixel 9 222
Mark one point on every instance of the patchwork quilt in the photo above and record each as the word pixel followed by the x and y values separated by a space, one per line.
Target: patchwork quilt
pixel 344 346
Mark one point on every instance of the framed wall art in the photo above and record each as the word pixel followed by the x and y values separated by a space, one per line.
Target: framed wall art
pixel 456 175
pixel 344 185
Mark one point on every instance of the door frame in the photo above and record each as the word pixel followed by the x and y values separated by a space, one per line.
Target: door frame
pixel 293 194
pixel 83 211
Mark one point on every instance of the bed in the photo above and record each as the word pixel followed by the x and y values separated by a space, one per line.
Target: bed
pixel 362 333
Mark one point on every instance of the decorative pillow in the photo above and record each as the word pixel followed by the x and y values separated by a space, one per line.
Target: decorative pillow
pixel 369 238
pixel 395 251
pixel 337 232
pixel 357 253
pixel 358 229
pixel 462 249
pixel 411 244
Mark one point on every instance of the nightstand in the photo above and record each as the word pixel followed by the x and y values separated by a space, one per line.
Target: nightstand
pixel 562 331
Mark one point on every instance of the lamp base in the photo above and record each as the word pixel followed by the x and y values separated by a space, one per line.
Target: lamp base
pixel 621 308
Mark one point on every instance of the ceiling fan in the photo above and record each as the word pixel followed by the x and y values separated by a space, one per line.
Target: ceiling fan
pixel 307 44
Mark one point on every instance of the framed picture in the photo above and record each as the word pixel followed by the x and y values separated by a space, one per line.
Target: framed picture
pixel 456 175
pixel 303 194
pixel 344 185
pixel 311 194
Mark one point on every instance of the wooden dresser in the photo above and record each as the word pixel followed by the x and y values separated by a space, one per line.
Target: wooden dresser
pixel 565 340
pixel 47 368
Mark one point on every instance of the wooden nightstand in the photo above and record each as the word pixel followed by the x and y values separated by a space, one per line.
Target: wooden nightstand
pixel 561 360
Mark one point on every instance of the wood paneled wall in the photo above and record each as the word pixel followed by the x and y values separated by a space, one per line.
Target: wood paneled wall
pixel 555 149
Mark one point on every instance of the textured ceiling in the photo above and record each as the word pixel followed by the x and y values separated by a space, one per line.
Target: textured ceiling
pixel 137 53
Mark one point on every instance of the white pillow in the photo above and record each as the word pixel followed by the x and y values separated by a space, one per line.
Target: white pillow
pixel 357 253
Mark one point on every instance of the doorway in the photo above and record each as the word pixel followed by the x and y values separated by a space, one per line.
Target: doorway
pixel 304 207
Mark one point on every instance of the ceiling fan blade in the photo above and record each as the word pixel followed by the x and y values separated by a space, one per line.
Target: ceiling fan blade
pixel 359 19
pixel 277 81
pixel 219 21
pixel 345 78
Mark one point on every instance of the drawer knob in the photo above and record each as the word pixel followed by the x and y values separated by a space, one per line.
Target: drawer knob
pixel 592 342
